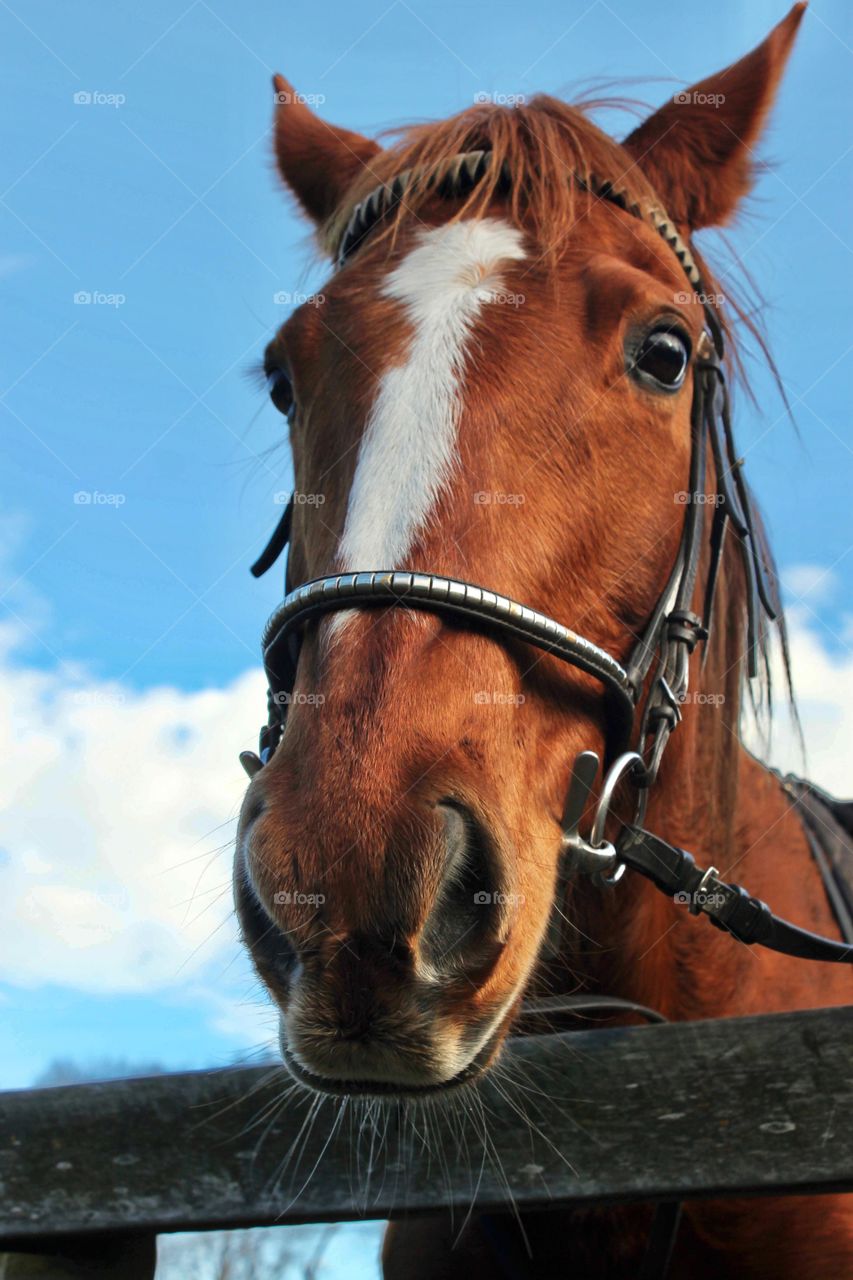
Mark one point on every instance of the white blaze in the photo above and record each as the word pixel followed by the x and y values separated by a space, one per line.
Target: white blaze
pixel 409 449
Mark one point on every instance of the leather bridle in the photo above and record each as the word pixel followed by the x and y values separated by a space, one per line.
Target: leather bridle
pixel 658 663
pixel 660 659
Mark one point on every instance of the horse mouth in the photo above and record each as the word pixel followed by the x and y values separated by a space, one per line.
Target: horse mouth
pixel 342 1088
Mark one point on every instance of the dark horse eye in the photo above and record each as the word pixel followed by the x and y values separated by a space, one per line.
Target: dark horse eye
pixel 661 359
pixel 281 390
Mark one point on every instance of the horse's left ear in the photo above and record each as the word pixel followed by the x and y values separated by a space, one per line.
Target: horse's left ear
pixel 698 149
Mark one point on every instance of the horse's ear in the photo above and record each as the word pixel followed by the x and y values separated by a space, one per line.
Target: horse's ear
pixel 318 161
pixel 698 149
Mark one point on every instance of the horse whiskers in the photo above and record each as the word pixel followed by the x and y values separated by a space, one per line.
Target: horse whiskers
pixel 257 1087
pixel 335 1126
pixel 304 1131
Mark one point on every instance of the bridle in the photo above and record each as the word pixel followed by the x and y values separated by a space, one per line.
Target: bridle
pixel 661 656
pixel 658 663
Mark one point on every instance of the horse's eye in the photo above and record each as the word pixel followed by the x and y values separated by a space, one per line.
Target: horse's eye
pixel 281 390
pixel 661 359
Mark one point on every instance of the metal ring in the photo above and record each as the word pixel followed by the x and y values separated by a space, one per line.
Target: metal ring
pixel 628 761
pixel 622 765
pixel 607 879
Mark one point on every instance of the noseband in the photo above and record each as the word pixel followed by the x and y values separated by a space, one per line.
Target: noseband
pixel 659 660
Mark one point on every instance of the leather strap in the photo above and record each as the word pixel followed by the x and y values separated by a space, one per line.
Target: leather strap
pixel 431 592
pixel 278 541
pixel 728 906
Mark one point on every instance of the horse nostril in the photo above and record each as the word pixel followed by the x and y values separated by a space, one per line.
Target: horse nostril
pixel 273 953
pixel 462 931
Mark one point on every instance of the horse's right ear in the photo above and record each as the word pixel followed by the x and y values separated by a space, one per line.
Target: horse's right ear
pixel 318 161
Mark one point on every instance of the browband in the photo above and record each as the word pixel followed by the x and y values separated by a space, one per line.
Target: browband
pixel 460 173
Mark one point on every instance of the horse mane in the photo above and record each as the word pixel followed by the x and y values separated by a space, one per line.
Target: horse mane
pixel 538 143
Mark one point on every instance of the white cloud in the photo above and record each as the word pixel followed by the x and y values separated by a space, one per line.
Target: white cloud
pixel 117 815
pixel 822 667
pixel 812 583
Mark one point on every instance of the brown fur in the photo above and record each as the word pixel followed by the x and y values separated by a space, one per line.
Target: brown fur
pixel 347 805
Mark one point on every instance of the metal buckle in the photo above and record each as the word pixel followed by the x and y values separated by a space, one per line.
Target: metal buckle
pixel 709 879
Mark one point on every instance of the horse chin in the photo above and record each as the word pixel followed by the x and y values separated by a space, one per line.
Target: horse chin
pixel 341 1087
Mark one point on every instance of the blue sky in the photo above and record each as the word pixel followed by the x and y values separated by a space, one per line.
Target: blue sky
pixel 130 625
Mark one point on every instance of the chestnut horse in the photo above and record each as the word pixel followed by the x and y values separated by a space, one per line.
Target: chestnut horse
pixel 496 386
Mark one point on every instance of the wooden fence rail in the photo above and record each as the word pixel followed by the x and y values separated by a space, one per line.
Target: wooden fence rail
pixel 750 1105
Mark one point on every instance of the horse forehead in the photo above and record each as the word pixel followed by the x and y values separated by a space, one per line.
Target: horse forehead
pixel 453 261
pixel 447 277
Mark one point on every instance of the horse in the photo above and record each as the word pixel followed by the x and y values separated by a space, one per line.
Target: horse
pixel 498 384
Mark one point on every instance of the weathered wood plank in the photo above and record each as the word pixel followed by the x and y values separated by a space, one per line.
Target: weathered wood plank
pixel 690 1109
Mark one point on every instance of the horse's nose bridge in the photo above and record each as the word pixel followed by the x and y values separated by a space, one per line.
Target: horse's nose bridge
pixel 357 856
pixel 367 790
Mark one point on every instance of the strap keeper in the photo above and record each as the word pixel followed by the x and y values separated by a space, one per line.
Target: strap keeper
pixel 686 627
pixel 663 712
